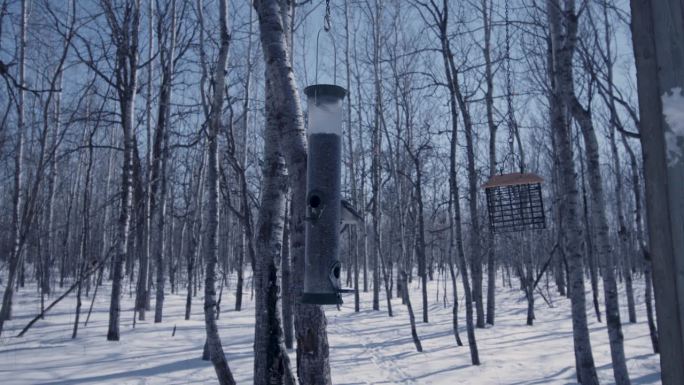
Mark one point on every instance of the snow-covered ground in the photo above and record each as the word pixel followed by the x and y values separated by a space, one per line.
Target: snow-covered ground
pixel 366 347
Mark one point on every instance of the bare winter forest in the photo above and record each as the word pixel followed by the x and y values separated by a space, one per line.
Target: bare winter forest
pixel 468 192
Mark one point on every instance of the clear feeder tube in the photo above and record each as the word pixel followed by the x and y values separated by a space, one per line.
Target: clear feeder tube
pixel 324 131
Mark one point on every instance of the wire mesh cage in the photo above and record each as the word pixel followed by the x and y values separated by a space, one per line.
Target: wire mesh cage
pixel 514 202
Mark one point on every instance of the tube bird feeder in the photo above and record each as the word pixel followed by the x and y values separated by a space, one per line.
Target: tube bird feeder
pixel 514 202
pixel 322 265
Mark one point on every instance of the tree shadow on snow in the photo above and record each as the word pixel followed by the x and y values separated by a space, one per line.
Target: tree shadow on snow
pixel 188 364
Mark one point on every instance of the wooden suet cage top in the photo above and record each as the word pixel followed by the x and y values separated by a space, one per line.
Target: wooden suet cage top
pixel 512 180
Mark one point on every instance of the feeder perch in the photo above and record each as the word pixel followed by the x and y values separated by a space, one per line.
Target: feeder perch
pixel 349 215
pixel 514 202
pixel 323 216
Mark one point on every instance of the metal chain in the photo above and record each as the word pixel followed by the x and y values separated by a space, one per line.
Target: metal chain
pixel 509 88
pixel 326 18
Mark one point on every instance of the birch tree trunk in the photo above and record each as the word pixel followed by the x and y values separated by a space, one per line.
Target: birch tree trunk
pixel 354 237
pixel 195 233
pixel 275 18
pixel 246 238
pixel 475 245
pixel 25 202
pixel 489 102
pixel 409 308
pixel 271 363
pixel 614 123
pixel 455 199
pixel 85 232
pixel 420 238
pixel 643 248
pixel 160 149
pixel 470 326
pixel 440 18
pixel 376 148
pixel 562 47
pixel 363 242
pixel 52 181
pixel 286 278
pixel 126 71
pixel 17 197
pixel 214 347
pixel 623 235
pixel 588 241
pixel 141 293
pixel 605 252
pixel 452 240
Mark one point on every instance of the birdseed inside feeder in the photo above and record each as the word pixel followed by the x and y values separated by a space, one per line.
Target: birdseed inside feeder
pixel 514 202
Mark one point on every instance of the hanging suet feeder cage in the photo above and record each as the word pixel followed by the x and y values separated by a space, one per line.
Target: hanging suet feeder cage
pixel 323 216
pixel 514 202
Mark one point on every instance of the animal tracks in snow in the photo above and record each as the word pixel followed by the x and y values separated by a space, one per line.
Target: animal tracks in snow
pixel 372 350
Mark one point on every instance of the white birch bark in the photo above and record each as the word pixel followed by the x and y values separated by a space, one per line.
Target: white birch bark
pixel 17 197
pixel 562 44
pixel 313 363
pixel 213 343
